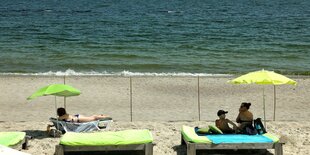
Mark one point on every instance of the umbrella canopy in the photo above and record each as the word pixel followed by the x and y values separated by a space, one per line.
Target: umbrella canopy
pixel 56 90
pixel 263 77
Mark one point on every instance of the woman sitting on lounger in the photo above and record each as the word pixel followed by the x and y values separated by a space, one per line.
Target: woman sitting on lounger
pixel 245 117
pixel 63 115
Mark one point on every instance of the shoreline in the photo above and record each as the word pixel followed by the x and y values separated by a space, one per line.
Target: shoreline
pixel 143 76
pixel 125 73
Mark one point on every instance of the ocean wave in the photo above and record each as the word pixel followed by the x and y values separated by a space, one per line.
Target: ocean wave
pixel 71 72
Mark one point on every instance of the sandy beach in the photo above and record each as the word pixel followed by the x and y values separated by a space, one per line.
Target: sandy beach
pixel 160 104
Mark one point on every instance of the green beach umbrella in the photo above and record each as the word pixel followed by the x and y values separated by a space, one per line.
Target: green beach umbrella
pixel 56 90
pixel 264 77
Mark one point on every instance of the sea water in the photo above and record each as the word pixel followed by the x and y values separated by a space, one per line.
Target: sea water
pixel 154 37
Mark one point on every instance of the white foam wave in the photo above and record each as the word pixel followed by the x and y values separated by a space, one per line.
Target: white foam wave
pixel 71 72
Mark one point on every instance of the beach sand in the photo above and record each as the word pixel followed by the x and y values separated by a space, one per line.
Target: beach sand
pixel 166 135
pixel 160 104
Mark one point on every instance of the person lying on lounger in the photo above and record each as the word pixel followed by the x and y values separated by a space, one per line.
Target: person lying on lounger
pixel 222 123
pixel 64 116
pixel 245 117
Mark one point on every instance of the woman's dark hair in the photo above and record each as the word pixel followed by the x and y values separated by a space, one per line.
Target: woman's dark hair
pixel 246 104
pixel 61 111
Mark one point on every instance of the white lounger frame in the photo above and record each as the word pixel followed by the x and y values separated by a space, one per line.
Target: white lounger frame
pixel 147 148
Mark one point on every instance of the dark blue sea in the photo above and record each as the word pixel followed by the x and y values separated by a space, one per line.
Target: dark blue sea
pixel 154 36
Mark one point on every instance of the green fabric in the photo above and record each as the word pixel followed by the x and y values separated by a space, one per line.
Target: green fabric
pixel 190 135
pixel 203 130
pixel 125 137
pixel 11 138
pixel 263 77
pixel 272 137
pixel 215 130
pixel 57 90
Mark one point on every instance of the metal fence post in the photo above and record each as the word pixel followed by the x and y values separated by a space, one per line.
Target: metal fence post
pixel 198 91
pixel 130 99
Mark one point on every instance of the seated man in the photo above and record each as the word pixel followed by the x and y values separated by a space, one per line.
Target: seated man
pixel 222 123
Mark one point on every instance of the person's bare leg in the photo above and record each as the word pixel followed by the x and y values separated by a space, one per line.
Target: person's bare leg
pixel 86 119
pixel 100 116
pixel 90 118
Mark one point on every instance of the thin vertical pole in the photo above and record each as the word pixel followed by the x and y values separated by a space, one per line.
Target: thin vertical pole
pixel 274 102
pixel 198 91
pixel 65 97
pixel 130 99
pixel 55 106
pixel 56 112
pixel 264 107
pixel 65 105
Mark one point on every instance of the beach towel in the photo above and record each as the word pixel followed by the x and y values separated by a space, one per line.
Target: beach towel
pixel 189 134
pixel 238 138
pixel 64 126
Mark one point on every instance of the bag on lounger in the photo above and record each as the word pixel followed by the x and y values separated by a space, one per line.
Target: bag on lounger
pixel 259 126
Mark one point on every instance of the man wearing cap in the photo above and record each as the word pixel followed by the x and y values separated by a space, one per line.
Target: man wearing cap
pixel 222 122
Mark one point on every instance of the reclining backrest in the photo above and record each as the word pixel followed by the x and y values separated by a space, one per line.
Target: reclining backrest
pixel 58 125
pixel 80 127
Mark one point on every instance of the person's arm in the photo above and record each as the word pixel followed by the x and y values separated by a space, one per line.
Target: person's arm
pixel 217 123
pixel 232 123
pixel 238 119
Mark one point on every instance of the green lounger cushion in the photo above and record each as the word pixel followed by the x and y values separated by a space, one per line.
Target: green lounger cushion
pixel 203 130
pixel 274 138
pixel 190 135
pixel 215 129
pixel 11 138
pixel 125 137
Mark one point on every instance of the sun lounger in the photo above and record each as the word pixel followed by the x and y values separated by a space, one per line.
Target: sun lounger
pixel 64 126
pixel 15 140
pixel 127 140
pixel 196 142
pixel 8 151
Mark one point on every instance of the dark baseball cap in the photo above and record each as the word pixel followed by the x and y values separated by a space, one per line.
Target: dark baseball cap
pixel 220 112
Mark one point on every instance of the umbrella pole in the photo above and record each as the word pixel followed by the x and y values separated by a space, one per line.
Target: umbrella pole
pixel 56 112
pixel 55 106
pixel 65 102
pixel 198 91
pixel 264 107
pixel 274 102
pixel 65 96
pixel 130 99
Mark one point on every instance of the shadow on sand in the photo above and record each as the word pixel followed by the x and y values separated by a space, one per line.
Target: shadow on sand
pixel 181 150
pixel 37 134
